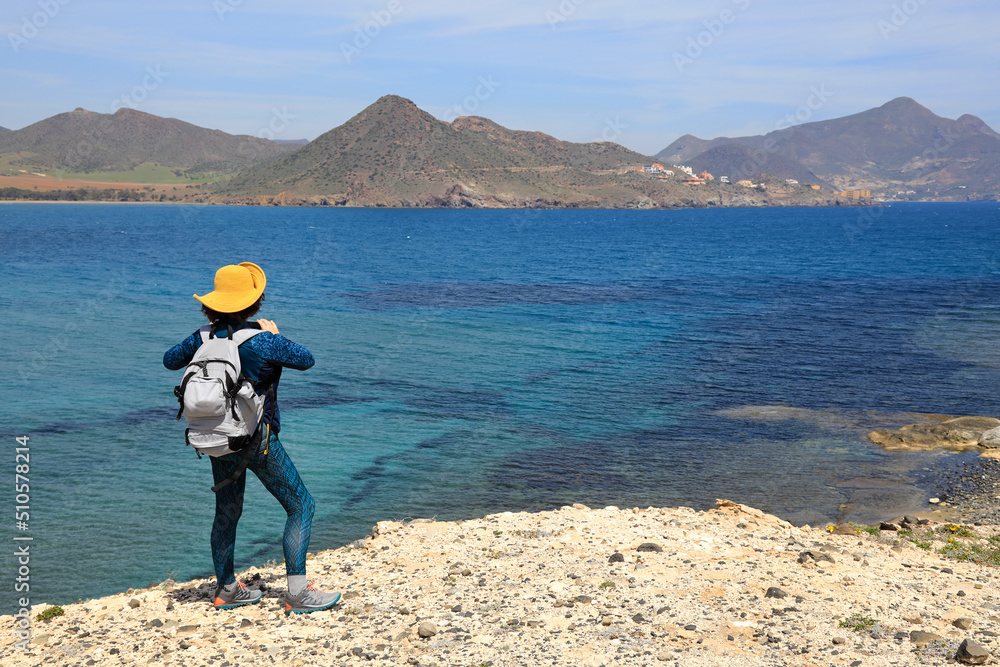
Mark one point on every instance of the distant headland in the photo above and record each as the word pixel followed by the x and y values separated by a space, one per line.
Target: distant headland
pixel 393 154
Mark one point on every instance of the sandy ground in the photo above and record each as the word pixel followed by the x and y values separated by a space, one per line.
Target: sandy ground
pixel 573 586
pixel 47 183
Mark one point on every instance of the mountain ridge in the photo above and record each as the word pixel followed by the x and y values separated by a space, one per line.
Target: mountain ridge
pixel 899 145
pixel 394 154
pixel 86 141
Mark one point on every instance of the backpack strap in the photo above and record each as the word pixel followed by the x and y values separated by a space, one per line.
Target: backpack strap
pixel 243 335
pixel 241 468
pixel 239 337
pixel 251 447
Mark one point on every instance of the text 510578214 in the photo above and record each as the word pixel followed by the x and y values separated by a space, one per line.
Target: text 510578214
pixel 22 546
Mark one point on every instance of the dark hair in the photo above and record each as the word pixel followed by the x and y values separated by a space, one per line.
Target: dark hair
pixel 244 314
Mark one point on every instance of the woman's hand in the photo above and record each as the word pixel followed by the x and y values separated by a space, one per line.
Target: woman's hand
pixel 268 325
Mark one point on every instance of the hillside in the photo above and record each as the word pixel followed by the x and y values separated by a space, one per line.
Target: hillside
pixel 84 142
pixel 394 154
pixel 897 147
pixel 4 129
pixel 742 162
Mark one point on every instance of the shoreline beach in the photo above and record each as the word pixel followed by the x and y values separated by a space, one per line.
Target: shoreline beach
pixel 574 586
pixel 581 586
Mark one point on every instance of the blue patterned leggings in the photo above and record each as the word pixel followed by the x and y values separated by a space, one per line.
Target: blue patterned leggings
pixel 278 475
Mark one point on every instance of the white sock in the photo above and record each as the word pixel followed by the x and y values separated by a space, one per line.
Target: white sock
pixel 296 584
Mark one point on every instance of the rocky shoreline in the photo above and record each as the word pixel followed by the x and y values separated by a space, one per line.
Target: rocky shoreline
pixel 971 493
pixel 574 586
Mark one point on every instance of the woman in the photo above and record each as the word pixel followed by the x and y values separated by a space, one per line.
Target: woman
pixel 238 295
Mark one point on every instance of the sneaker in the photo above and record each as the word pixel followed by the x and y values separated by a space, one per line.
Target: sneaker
pixel 310 599
pixel 239 596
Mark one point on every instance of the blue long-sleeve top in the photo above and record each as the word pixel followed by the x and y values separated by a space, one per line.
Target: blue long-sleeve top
pixel 261 358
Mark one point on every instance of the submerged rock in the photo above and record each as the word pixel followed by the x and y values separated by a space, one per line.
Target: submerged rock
pixel 960 434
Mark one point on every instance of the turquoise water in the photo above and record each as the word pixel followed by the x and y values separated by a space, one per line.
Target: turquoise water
pixel 478 361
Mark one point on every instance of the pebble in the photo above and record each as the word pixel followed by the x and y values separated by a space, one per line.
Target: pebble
pixel 427 629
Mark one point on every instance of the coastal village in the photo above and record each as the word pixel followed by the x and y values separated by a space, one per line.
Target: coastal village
pixel 688 177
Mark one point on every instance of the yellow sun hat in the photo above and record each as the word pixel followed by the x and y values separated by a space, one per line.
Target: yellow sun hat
pixel 236 288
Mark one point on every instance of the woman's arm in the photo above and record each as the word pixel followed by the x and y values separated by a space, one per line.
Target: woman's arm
pixel 180 355
pixel 277 349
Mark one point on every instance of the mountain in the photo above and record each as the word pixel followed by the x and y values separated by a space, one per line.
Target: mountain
pixel 4 129
pixel 394 145
pixel 394 154
pixel 898 146
pixel 84 141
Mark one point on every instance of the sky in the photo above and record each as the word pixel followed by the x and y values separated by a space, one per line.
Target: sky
pixel 639 73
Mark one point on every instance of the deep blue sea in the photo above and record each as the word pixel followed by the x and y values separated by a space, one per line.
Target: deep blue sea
pixel 471 362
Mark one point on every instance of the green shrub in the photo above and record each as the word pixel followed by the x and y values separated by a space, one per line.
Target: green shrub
pixel 973 552
pixel 50 613
pixel 858 623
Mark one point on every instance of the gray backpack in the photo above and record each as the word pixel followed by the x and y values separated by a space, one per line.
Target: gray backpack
pixel 222 409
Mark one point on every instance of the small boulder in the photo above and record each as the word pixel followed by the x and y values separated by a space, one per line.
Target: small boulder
pixel 616 558
pixel 775 592
pixel 990 439
pixel 963 623
pixel 921 638
pixel 650 546
pixel 427 630
pixel 972 653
